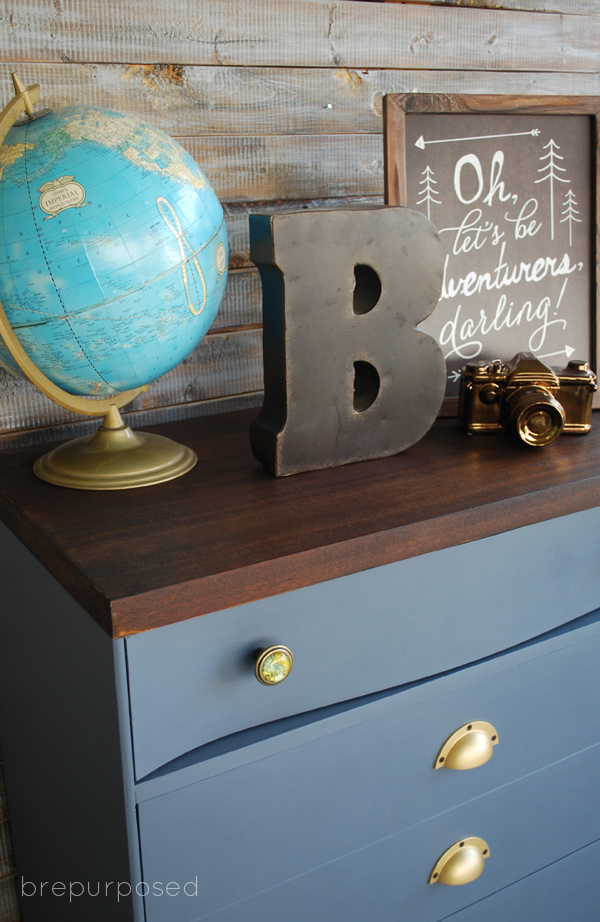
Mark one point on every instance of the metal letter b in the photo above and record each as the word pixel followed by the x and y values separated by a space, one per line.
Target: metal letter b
pixel 348 376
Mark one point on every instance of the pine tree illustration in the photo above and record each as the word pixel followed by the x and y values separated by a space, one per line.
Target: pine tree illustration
pixel 428 191
pixel 570 213
pixel 551 170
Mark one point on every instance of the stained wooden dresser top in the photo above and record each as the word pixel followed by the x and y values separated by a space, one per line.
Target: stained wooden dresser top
pixel 227 533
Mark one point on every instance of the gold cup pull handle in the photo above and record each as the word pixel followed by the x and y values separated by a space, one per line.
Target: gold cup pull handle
pixel 468 747
pixel 461 863
pixel 273 664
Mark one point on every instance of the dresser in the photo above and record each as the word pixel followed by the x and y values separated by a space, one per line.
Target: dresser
pixel 434 751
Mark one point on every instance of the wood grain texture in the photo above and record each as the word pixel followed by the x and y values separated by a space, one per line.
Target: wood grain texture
pixel 222 365
pixel 242 302
pixel 227 533
pixel 6 857
pixel 482 103
pixel 293 167
pixel 137 419
pixel 9 910
pixel 394 147
pixel 329 163
pixel 191 100
pixel 311 33
pixel 577 7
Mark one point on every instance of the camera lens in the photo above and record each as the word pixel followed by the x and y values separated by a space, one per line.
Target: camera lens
pixel 535 415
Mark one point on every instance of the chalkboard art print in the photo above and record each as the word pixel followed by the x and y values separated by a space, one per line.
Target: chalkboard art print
pixel 513 198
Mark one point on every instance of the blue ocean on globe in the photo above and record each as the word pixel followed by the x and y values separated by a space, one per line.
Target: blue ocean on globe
pixel 113 249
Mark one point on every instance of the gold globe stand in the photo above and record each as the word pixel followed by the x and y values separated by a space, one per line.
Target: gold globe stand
pixel 115 457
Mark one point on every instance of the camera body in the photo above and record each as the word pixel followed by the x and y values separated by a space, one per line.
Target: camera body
pixel 526 397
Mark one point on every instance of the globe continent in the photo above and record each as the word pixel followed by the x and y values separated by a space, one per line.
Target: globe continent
pixel 113 249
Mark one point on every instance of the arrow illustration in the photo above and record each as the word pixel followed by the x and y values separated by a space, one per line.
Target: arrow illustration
pixel 454 376
pixel 568 351
pixel 421 142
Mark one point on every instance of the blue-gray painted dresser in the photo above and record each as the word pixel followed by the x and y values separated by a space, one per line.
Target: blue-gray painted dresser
pixel 443 612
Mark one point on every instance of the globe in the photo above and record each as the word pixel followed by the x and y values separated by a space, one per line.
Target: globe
pixel 113 249
pixel 113 264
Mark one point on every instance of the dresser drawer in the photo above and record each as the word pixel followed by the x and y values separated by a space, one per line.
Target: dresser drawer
pixel 302 799
pixel 193 682
pixel 527 825
pixel 567 890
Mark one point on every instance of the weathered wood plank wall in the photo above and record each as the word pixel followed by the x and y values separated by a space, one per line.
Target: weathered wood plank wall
pixel 278 100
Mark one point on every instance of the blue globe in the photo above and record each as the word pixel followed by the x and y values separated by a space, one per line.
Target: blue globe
pixel 113 249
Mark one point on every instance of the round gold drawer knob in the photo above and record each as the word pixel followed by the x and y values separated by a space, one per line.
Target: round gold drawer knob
pixel 461 863
pixel 273 664
pixel 468 747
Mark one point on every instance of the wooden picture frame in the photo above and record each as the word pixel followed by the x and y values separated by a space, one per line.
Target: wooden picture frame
pixel 530 215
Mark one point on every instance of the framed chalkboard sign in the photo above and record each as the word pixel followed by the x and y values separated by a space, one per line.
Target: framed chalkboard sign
pixel 511 183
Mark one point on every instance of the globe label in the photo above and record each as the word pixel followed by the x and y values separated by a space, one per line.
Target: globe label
pixel 59 194
pixel 221 259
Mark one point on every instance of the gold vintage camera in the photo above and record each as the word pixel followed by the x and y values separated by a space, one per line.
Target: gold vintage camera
pixel 526 397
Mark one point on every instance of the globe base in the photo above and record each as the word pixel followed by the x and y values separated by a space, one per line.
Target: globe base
pixel 115 458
